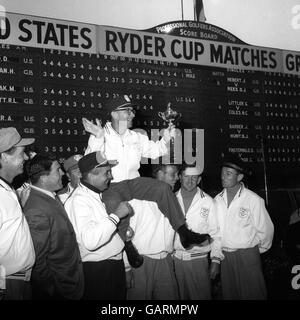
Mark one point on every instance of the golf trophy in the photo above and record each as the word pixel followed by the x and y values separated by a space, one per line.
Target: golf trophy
pixel 170 116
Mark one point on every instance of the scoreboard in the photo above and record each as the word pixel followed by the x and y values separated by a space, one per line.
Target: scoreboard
pixel 245 99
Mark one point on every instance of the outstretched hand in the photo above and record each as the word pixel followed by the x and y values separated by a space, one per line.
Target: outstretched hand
pixel 92 128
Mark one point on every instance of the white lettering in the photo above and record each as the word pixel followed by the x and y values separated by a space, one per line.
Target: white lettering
pixel 296 280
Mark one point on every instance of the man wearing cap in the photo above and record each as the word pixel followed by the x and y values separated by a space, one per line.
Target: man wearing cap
pixel 16 248
pixel 192 268
pixel 57 273
pixel 73 174
pixel 246 231
pixel 117 141
pixel 100 245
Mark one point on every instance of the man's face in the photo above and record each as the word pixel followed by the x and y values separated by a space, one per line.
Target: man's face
pixel 52 181
pixel 230 177
pixel 15 161
pixel 74 175
pixel 170 175
pixel 125 117
pixel 189 183
pixel 102 178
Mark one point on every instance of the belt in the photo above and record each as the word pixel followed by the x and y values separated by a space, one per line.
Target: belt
pixel 182 255
pixel 118 256
pixel 229 249
pixel 21 275
pixel 160 255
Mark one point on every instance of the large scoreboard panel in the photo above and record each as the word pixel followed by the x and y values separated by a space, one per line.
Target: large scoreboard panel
pixel 45 93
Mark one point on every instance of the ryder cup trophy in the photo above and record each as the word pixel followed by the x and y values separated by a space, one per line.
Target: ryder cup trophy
pixel 170 116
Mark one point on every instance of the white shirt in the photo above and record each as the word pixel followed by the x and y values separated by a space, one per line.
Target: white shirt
pixel 201 217
pixel 95 229
pixel 246 223
pixel 153 232
pixel 128 149
pixel 16 247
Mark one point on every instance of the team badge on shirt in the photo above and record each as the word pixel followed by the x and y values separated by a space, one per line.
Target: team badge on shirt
pixel 244 212
pixel 204 212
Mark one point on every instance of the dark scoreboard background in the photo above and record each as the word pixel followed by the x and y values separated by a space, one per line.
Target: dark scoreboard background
pixel 46 92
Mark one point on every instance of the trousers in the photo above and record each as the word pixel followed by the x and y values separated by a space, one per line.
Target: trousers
pixel 142 188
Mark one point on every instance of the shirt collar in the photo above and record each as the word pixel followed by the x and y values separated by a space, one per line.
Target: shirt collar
pixel 6 184
pixel 89 186
pixel 238 194
pixel 49 193
pixel 70 188
pixel 199 193
pixel 110 130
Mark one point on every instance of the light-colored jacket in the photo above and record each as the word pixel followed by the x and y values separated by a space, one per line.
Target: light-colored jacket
pixel 201 217
pixel 95 229
pixel 16 247
pixel 246 223
pixel 128 149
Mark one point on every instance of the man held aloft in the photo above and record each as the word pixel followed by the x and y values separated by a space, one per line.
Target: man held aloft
pixel 118 142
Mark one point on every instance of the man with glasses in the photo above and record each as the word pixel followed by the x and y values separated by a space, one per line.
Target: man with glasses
pixel 117 141
pixel 246 231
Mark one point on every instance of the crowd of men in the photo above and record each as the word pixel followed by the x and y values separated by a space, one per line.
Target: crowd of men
pixel 113 235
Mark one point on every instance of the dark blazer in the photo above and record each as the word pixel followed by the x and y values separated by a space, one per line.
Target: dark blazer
pixel 57 272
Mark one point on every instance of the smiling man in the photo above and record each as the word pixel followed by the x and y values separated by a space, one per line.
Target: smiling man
pixel 246 231
pixel 57 273
pixel 192 267
pixel 100 246
pixel 117 141
pixel 16 248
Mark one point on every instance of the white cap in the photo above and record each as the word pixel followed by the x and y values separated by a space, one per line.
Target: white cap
pixel 192 171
